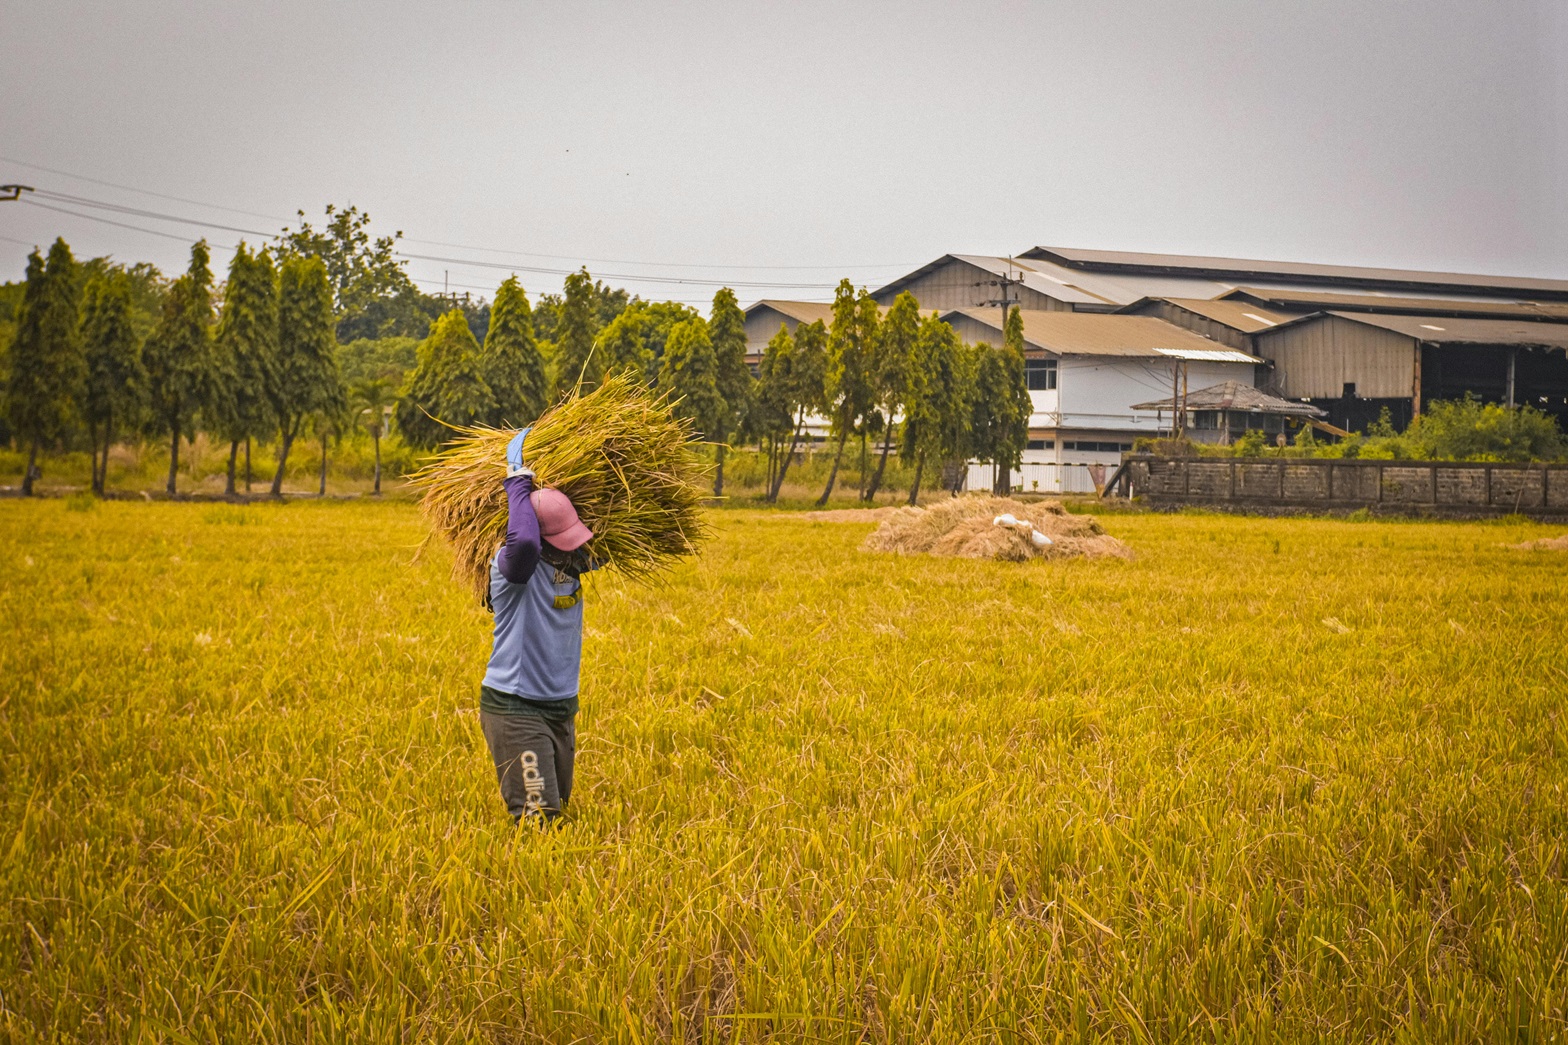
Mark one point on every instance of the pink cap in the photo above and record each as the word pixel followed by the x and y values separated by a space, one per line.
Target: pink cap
pixel 558 522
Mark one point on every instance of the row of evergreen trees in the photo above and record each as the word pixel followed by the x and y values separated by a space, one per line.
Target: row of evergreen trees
pixel 258 359
pixel 266 366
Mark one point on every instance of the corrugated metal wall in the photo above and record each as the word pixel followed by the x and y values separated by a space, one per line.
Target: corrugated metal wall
pixel 1198 324
pixel 1317 358
pixel 761 325
pixel 954 286
pixel 973 332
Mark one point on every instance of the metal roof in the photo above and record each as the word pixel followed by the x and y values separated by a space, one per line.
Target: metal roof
pixel 1446 330
pixel 1194 266
pixel 800 311
pixel 1032 276
pixel 1095 334
pixel 1233 395
pixel 1238 315
pixel 1306 300
pixel 811 311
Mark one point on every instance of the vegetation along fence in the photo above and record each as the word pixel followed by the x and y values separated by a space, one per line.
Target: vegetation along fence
pixel 1398 487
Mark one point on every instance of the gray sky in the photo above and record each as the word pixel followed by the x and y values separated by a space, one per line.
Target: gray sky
pixel 708 141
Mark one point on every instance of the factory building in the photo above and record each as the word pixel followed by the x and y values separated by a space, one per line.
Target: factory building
pixel 1105 330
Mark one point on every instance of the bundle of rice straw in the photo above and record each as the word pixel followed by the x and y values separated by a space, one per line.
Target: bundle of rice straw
pixel 628 464
pixel 967 527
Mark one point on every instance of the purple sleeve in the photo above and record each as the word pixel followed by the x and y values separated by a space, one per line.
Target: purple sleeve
pixel 519 556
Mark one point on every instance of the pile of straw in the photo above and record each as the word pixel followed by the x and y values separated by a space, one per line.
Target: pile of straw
pixel 628 464
pixel 964 527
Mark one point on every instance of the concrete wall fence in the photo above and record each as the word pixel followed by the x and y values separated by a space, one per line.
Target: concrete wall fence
pixel 1459 488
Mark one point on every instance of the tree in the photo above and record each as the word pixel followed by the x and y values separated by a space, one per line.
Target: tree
pixel 1000 414
pixel 727 331
pixel 182 369
pixel 848 394
pixel 372 296
pixel 576 363
pixel 247 342
pixel 891 359
pixel 389 358
pixel 662 316
pixel 625 345
pixel 370 399
pixel 937 400
pixel 804 389
pixel 510 363
pixel 605 303
pixel 690 375
pixel 771 419
pixel 306 381
pixel 447 386
pixel 330 420
pixel 48 371
pixel 116 380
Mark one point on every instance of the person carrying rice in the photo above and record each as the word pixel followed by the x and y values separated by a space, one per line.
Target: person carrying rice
pixel 528 699
pixel 612 464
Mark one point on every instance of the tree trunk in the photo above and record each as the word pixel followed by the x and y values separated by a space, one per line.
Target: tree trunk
pixel 778 480
pixel 876 480
pixel 285 442
pixel 718 474
pixel 234 455
pixel 247 464
pixel 914 487
pixel 102 482
pixel 1001 479
pixel 92 445
pixel 323 491
pixel 833 475
pixel 863 475
pixel 174 459
pixel 27 476
pixel 375 437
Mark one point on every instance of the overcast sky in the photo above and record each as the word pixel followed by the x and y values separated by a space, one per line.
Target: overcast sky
pixel 799 142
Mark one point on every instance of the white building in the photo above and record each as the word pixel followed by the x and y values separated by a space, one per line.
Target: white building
pixel 1085 371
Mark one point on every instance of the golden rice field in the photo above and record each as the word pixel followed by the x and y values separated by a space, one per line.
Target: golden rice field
pixel 1270 781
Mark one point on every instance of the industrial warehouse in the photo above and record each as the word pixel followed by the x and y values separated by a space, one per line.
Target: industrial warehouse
pixel 1115 343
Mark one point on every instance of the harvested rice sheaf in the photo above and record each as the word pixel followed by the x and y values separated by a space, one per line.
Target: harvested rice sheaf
pixel 628 464
pixel 965 527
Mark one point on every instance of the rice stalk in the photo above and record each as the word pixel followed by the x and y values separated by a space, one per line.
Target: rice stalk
pixel 627 462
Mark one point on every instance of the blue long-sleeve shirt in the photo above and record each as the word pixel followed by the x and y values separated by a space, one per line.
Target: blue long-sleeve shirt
pixel 538 638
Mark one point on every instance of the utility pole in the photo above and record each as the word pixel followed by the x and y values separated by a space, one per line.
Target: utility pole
pixel 1001 283
pixel 1178 399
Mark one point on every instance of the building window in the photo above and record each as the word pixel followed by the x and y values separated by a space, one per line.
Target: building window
pixel 1040 374
pixel 1040 444
pixel 1099 448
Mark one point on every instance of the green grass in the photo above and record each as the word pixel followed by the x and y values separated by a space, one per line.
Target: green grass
pixel 822 795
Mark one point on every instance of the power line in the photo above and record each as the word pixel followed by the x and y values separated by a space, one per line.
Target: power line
pixel 82 201
pixel 434 243
pixel 658 264
pixel 120 224
pixel 114 208
pixel 472 263
pixel 132 188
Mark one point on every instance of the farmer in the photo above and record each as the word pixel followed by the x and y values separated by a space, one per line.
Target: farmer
pixel 528 700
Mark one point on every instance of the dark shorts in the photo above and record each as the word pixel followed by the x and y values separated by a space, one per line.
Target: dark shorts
pixel 533 761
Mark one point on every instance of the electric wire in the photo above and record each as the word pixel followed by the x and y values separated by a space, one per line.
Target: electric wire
pixel 434 243
pixel 114 208
pixel 131 188
pixel 119 224
pixel 137 212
